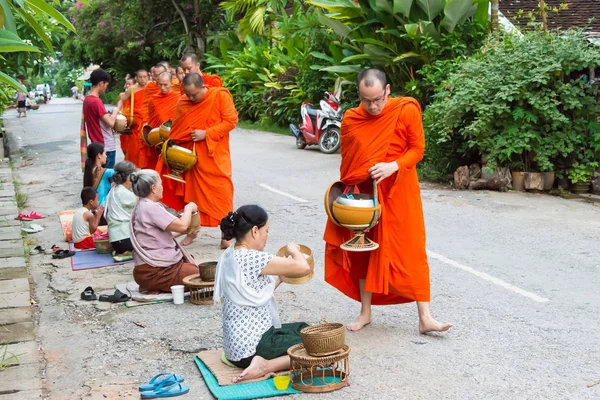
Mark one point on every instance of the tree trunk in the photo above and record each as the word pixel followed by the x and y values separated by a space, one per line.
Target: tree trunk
pixel 494 15
pixel 544 13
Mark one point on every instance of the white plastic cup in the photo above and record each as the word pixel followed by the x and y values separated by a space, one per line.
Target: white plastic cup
pixel 177 291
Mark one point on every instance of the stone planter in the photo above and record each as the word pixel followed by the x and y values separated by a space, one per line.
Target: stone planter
pixel 548 178
pixel 580 187
pixel 518 180
pixel 534 181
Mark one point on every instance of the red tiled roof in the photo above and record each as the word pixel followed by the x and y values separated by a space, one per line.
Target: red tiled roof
pixel 579 14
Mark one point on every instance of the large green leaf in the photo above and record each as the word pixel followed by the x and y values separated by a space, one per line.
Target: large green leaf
pixel 431 7
pixel 9 19
pixel 412 29
pixel 43 8
pixel 403 7
pixel 375 42
pixel 11 82
pixel 356 57
pixel 454 12
pixel 344 69
pixel 345 9
pixel 37 28
pixel 339 28
pixel 11 46
pixel 482 14
pixel 322 56
pixel 402 57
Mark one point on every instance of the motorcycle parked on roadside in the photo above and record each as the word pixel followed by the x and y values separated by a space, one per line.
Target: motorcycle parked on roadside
pixel 319 126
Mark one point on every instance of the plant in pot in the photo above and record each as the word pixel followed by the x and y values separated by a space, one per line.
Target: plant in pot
pixel 580 175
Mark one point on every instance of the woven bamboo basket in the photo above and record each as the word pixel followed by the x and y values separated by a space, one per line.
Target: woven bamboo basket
pixel 208 270
pixel 311 261
pixel 318 374
pixel 323 340
pixel 201 293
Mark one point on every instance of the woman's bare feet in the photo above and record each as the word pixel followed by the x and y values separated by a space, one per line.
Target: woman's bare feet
pixel 189 238
pixel 360 322
pixel 429 324
pixel 257 369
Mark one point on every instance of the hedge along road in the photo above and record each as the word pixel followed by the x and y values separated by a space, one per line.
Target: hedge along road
pixel 517 275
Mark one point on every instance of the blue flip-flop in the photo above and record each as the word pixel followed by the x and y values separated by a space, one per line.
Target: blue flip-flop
pixel 165 389
pixel 160 379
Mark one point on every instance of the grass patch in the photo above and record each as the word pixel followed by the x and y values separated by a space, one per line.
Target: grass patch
pixel 21 199
pixel 264 126
pixel 6 357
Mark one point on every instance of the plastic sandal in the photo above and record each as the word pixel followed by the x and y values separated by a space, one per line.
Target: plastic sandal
pixel 169 389
pixel 34 215
pixel 23 217
pixel 117 297
pixel 63 254
pixel 88 294
pixel 156 381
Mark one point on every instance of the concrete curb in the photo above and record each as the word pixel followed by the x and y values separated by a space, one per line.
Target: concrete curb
pixel 21 365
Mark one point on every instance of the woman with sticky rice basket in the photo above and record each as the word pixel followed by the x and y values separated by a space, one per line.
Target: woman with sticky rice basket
pixel 160 262
pixel 119 206
pixel 245 281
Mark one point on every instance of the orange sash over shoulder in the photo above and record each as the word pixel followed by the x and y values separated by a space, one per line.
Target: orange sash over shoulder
pixel 209 80
pixel 398 271
pixel 161 108
pixel 208 183
pixel 135 139
pixel 150 91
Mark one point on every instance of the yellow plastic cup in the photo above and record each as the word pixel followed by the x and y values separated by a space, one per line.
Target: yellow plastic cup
pixel 281 382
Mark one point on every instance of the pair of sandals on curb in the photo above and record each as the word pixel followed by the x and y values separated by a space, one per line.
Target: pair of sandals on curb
pixel 117 297
pixel 163 385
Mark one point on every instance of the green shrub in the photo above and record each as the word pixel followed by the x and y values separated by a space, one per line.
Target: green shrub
pixel 524 102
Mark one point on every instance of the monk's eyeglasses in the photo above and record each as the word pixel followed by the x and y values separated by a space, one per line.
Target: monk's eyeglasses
pixel 377 101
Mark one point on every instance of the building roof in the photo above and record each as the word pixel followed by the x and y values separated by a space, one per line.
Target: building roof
pixel 579 14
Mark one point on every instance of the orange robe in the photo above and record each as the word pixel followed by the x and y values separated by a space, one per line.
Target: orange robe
pixel 135 139
pixel 398 271
pixel 209 80
pixel 161 108
pixel 176 85
pixel 208 183
pixel 124 139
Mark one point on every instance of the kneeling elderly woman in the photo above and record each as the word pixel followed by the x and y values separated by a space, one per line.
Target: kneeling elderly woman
pixel 253 337
pixel 159 260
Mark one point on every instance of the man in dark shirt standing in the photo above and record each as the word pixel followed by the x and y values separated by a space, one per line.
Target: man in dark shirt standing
pixel 94 114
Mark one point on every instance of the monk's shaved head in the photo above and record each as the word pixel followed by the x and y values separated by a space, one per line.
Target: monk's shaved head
pixel 164 82
pixel 141 72
pixel 193 79
pixel 160 68
pixel 165 63
pixel 189 56
pixel 370 77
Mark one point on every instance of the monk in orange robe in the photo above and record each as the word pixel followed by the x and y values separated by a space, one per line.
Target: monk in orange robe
pixel 203 119
pixel 135 139
pixel 189 63
pixel 161 108
pixel 124 139
pixel 382 139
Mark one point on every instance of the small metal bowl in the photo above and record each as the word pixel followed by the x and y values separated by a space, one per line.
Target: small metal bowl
pixel 360 200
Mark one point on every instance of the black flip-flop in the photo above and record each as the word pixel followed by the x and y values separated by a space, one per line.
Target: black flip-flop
pixel 117 297
pixel 63 254
pixel 88 294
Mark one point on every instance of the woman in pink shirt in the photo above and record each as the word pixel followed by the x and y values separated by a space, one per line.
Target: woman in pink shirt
pixel 159 260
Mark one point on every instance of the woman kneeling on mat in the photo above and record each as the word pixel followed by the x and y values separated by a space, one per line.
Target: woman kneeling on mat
pixel 119 206
pixel 253 337
pixel 159 260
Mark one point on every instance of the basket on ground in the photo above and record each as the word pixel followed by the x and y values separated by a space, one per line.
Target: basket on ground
pixel 311 261
pixel 201 292
pixel 318 374
pixel 103 246
pixel 323 340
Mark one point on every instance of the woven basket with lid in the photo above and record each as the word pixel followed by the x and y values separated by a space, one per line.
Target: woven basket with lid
pixel 310 260
pixel 323 340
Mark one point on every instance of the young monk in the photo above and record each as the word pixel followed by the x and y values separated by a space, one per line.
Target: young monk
pixel 84 222
pixel 135 139
pixel 124 139
pixel 383 139
pixel 253 336
pixel 203 118
pixel 161 108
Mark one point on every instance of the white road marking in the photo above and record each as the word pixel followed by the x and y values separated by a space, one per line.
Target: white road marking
pixel 488 277
pixel 290 196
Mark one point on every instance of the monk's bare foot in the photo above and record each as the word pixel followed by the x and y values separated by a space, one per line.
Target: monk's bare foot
pixel 225 244
pixel 257 369
pixel 360 322
pixel 189 238
pixel 429 324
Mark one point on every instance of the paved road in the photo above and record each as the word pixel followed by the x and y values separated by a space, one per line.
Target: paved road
pixel 517 274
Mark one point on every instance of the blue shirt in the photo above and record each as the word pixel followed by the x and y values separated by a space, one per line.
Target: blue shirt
pixel 104 186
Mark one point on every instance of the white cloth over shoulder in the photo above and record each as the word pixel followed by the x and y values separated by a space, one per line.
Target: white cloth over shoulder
pixel 229 281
